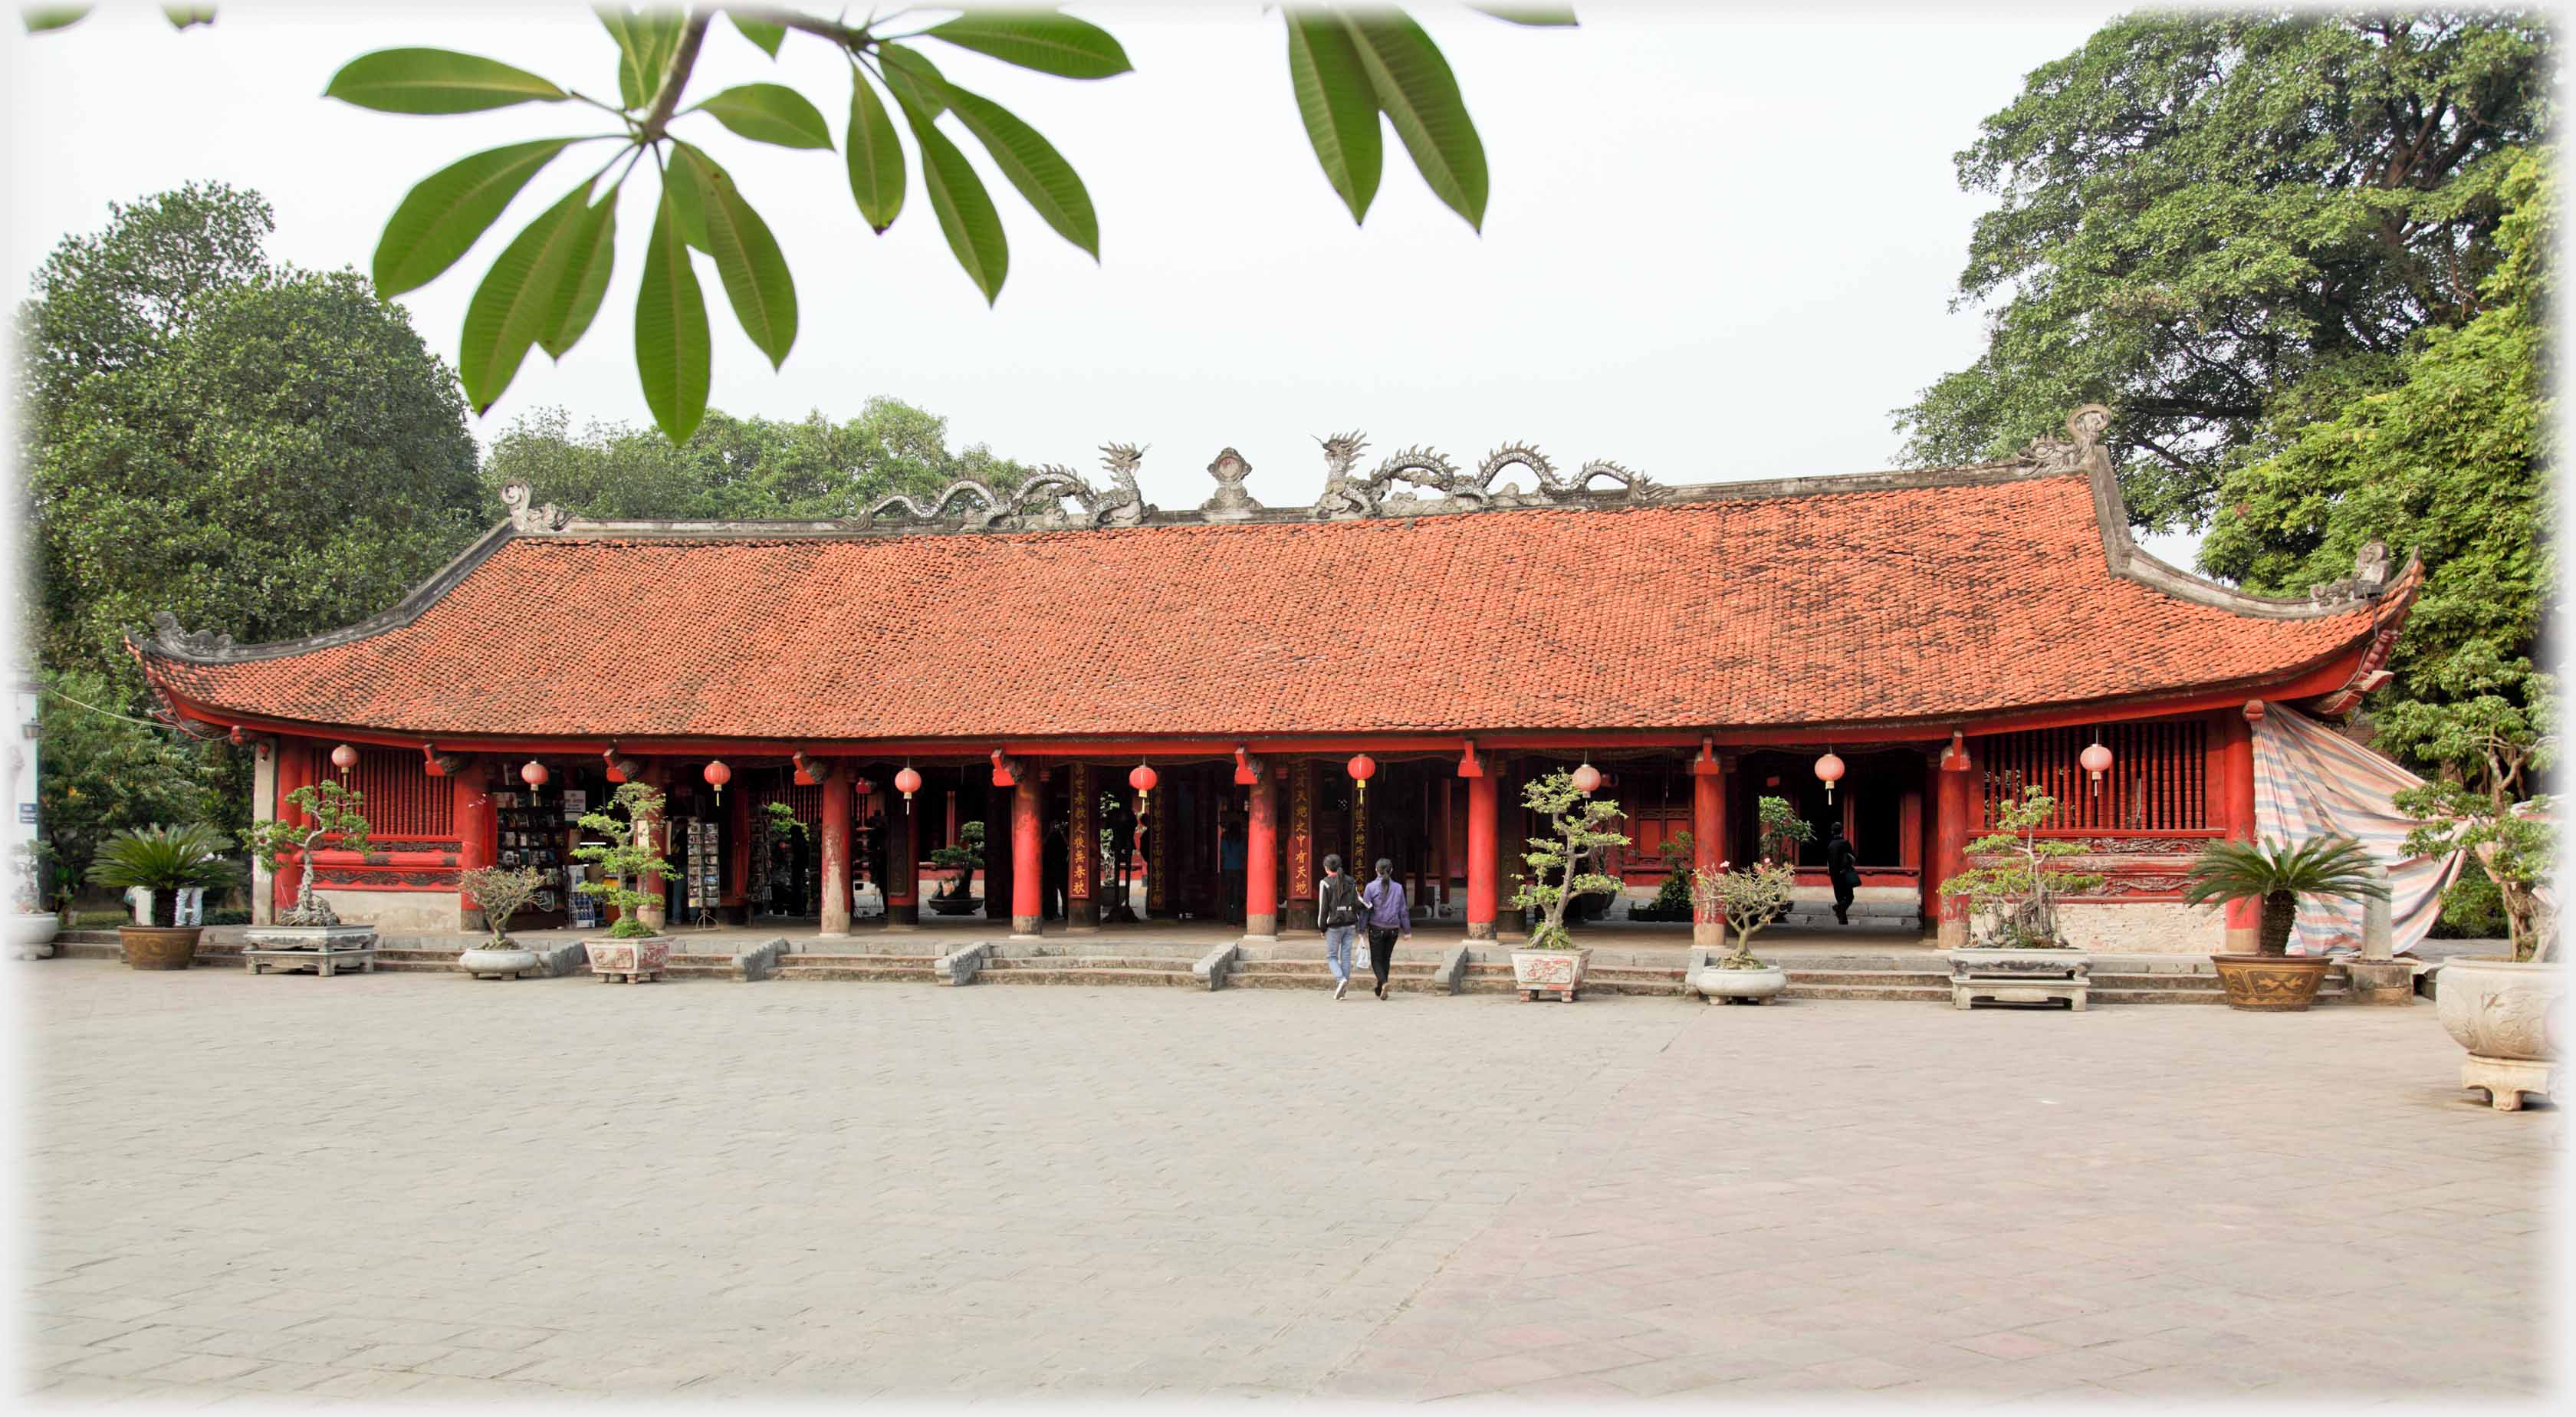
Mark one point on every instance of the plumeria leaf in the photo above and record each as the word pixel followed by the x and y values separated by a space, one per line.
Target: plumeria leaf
pixel 1033 166
pixel 759 32
pixel 671 343
pixel 913 80
pixel 516 301
pixel 1038 39
pixel 584 282
pixel 435 81
pixel 748 261
pixel 645 43
pixel 770 113
pixel 40 18
pixel 1338 106
pixel 1544 16
pixel 875 155
pixel 1420 97
pixel 442 217
pixel 966 214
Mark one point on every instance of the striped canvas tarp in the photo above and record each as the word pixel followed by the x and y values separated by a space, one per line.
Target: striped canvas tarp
pixel 2312 781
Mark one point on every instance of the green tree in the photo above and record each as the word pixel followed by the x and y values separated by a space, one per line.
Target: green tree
pixel 100 772
pixel 2224 225
pixel 738 467
pixel 2451 463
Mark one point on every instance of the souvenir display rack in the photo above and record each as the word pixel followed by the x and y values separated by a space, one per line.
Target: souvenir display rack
pixel 702 868
pixel 530 831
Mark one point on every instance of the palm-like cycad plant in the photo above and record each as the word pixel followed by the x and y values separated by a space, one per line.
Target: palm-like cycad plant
pixel 164 862
pixel 2278 873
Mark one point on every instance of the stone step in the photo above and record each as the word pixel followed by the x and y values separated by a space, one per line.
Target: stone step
pixel 1261 977
pixel 85 937
pixel 1089 974
pixel 849 961
pixel 1904 978
pixel 1894 993
pixel 899 974
pixel 1043 963
pixel 67 948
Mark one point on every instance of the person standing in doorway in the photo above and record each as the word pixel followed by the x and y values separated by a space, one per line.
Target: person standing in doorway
pixel 1842 867
pixel 1388 919
pixel 1337 910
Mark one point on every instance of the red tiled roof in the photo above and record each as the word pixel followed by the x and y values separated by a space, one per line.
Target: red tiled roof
pixel 1907 603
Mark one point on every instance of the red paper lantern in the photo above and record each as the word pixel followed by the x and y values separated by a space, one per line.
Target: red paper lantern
pixel 2097 761
pixel 1142 777
pixel 533 773
pixel 344 758
pixel 1363 767
pixel 717 776
pixel 1829 768
pixel 907 782
pixel 1587 779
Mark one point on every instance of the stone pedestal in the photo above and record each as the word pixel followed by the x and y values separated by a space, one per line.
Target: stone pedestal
pixel 2381 981
pixel 2019 977
pixel 325 949
pixel 2505 1080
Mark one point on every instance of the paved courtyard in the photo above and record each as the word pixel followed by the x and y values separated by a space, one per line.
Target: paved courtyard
pixel 426 1186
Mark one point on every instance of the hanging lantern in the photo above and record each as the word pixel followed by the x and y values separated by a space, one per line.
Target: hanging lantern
pixel 717 776
pixel 1142 777
pixel 1587 778
pixel 907 782
pixel 863 787
pixel 2097 761
pixel 609 765
pixel 1363 767
pixel 629 770
pixel 344 758
pixel 533 773
pixel 1829 768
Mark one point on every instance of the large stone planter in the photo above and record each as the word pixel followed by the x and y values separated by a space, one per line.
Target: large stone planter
pixel 2011 976
pixel 1739 986
pixel 633 961
pixel 2506 1015
pixel 1559 972
pixel 159 946
pixel 32 936
pixel 2271 984
pixel 508 962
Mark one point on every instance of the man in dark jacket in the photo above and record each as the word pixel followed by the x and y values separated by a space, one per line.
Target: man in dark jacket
pixel 1842 867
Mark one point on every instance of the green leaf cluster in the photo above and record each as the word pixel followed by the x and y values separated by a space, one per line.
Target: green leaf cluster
pixel 101 770
pixel 501 892
pixel 1747 900
pixel 1578 833
pixel 2013 889
pixel 627 859
pixel 2224 224
pixel 164 861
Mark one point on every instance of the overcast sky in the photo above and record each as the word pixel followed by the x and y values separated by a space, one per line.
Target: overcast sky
pixel 1720 245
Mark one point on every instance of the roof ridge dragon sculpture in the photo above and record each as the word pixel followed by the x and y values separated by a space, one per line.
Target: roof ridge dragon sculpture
pixel 1036 504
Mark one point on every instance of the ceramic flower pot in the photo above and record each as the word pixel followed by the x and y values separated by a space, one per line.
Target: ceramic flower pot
pixel 503 963
pixel 633 961
pixel 32 936
pixel 1739 986
pixel 2506 1015
pixel 1559 972
pixel 2271 984
pixel 159 946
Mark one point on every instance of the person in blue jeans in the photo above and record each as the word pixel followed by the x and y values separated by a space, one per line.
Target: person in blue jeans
pixel 1387 920
pixel 1337 910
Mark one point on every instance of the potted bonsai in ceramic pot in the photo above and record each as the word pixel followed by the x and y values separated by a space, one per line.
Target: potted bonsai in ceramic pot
pixel 329 810
pixel 502 891
pixel 964 859
pixel 2505 1010
pixel 1551 963
pixel 164 863
pixel 1746 900
pixel 2017 952
pixel 33 922
pixel 2276 873
pixel 632 950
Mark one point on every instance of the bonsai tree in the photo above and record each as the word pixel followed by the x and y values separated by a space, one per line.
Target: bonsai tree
pixel 1781 829
pixel 965 859
pixel 504 891
pixel 2493 748
pixel 164 862
pixel 2014 894
pixel 628 858
pixel 329 810
pixel 1577 834
pixel 1746 900
pixel 2277 874
pixel 784 823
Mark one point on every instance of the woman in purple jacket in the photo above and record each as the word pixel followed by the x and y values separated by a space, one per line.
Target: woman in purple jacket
pixel 1387 920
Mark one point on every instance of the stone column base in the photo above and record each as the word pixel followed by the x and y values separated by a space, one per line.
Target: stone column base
pixel 1261 927
pixel 1954 934
pixel 1027 927
pixel 903 914
pixel 1708 932
pixel 1480 930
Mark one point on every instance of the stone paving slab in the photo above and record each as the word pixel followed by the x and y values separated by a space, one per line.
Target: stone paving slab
pixel 414 1186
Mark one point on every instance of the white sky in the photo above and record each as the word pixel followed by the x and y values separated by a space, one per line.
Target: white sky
pixel 1720 244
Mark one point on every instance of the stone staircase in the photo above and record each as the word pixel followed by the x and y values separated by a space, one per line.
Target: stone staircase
pixel 902 963
pixel 1145 964
pixel 1301 965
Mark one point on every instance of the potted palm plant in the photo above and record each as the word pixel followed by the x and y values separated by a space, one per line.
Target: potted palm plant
pixel 163 863
pixel 1552 963
pixel 632 950
pixel 1746 901
pixel 502 891
pixel 2272 980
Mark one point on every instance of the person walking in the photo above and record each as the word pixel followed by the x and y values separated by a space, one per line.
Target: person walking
pixel 1842 867
pixel 1388 918
pixel 1337 910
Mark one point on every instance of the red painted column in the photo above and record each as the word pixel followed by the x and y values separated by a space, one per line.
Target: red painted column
pixel 471 812
pixel 903 863
pixel 1482 861
pixel 1956 811
pixel 294 771
pixel 836 852
pixel 1028 835
pixel 1708 840
pixel 2236 814
pixel 1261 859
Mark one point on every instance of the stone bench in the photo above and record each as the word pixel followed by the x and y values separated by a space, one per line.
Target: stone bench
pixel 327 948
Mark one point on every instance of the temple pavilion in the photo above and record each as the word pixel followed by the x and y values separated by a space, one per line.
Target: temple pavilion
pixel 1225 695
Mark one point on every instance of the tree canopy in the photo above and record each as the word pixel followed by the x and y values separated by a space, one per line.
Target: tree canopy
pixel 737 468
pixel 2224 225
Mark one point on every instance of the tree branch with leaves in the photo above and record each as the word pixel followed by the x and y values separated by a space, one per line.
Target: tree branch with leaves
pixel 329 810
pixel 1577 835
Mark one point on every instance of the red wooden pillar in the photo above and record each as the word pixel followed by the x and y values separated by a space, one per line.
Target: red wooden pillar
pixel 295 758
pixel 1956 811
pixel 471 812
pixel 2236 815
pixel 903 863
pixel 1082 848
pixel 1261 857
pixel 836 851
pixel 1483 862
pixel 656 830
pixel 1028 834
pixel 1708 838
